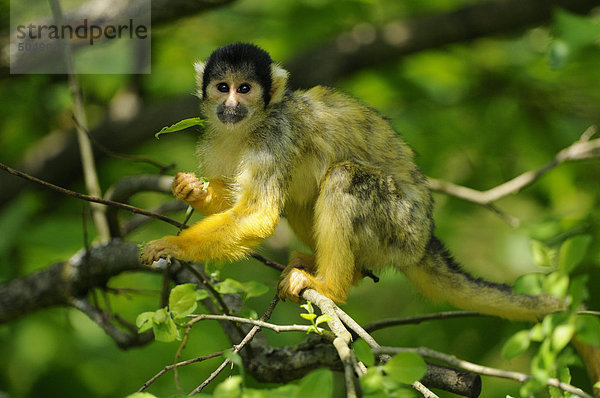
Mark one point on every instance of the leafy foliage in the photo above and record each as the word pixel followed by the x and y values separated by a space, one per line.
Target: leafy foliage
pixel 313 318
pixel 555 331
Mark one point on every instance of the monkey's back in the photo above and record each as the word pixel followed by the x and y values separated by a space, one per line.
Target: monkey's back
pixel 334 129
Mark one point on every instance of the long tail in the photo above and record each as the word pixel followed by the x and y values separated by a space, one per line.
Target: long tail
pixel 439 277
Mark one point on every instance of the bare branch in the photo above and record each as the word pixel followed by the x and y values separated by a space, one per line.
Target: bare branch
pixel 483 370
pixel 60 283
pixel 584 148
pixel 89 198
pixel 426 392
pixel 257 322
pixel 176 365
pixel 123 339
pixel 415 320
pixel 268 262
pixel 241 345
pixel 85 148
pixel 341 342
pixel 163 168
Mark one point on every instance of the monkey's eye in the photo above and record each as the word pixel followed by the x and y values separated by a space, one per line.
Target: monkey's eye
pixel 243 88
pixel 223 87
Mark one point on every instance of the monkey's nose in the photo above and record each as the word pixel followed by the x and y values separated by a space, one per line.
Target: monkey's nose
pixel 231 100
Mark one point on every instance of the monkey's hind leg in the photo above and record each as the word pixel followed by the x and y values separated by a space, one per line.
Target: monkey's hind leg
pixel 333 270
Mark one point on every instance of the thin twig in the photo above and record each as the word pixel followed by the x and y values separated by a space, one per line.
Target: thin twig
pixel 426 392
pixel 90 175
pixel 180 349
pixel 109 152
pixel 176 365
pixel 237 348
pixel 482 370
pixel 584 148
pixel 414 320
pixel 257 322
pixel 90 198
pixel 203 280
pixel 268 262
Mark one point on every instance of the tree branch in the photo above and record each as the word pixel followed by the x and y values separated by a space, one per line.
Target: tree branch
pixel 60 283
pixel 368 47
pixel 341 342
pixel 89 198
pixel 241 345
pixel 483 370
pixel 584 148
pixel 123 339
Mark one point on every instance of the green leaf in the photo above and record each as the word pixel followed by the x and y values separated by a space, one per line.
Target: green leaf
pixel 542 255
pixel 561 336
pixel 572 252
pixel 597 385
pixel 323 318
pixel 230 388
pixel 286 391
pixel 308 307
pixel 144 321
pixel 255 289
pixel 312 329
pixel 318 383
pixel 558 54
pixel 181 125
pixel 529 284
pixel 578 290
pixel 406 367
pixel 182 300
pixel 248 313
pixel 517 344
pixel 537 333
pixel 234 357
pixel 577 31
pixel 164 327
pixel 372 381
pixel 588 329
pixel 364 352
pixel 229 286
pixel 201 294
pixel 141 395
pixel 309 317
pixel 161 315
pixel 556 284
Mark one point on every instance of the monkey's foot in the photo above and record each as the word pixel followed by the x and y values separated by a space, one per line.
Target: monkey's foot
pixel 157 249
pixel 188 187
pixel 293 281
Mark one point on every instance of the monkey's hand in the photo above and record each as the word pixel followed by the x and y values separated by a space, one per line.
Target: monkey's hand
pixel 189 188
pixel 159 248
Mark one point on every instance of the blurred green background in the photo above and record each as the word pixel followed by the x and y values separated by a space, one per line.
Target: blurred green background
pixel 477 113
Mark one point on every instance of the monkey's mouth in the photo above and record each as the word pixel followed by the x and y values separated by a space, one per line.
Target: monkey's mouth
pixel 230 114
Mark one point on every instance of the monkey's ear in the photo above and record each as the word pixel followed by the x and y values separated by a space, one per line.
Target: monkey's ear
pixel 279 77
pixel 199 68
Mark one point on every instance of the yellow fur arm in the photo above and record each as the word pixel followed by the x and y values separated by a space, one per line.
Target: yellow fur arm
pixel 215 198
pixel 223 236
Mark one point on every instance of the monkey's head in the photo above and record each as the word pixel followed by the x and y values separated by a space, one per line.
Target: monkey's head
pixel 237 84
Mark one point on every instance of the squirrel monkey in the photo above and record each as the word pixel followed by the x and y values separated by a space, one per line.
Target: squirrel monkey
pixel 343 178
